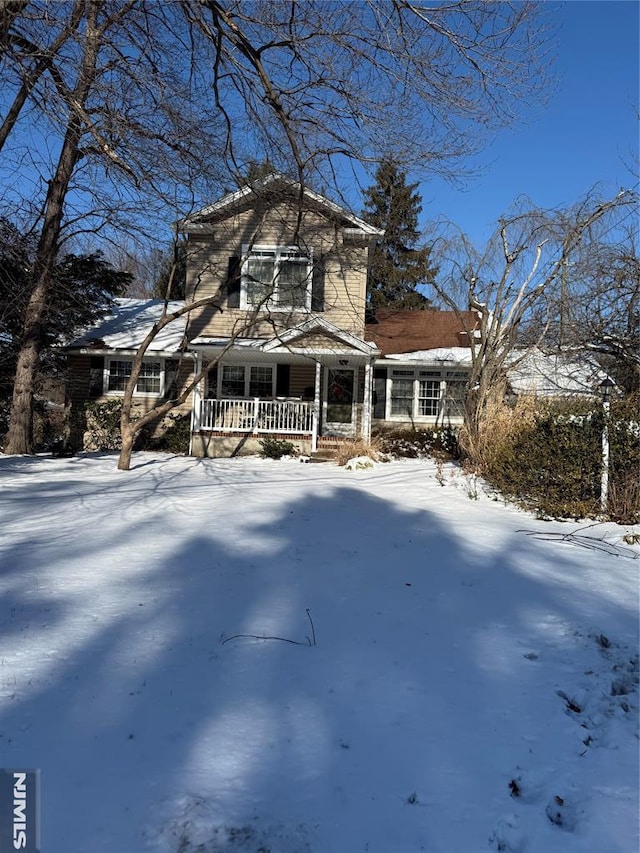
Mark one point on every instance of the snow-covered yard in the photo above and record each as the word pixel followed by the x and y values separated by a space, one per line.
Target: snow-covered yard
pixel 472 687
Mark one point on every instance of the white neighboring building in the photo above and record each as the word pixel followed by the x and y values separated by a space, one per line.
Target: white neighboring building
pixel 554 374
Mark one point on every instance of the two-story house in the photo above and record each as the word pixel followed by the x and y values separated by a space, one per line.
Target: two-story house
pixel 286 271
pixel 283 336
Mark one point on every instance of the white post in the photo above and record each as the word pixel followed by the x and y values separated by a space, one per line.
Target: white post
pixel 196 404
pixel 604 482
pixel 315 421
pixel 256 404
pixel 366 403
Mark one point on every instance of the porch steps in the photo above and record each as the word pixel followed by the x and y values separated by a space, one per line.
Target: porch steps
pixel 328 446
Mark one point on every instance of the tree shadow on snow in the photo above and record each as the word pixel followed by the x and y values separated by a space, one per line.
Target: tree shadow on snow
pixel 151 726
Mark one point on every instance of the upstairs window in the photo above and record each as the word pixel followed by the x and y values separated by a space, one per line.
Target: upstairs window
pixel 276 278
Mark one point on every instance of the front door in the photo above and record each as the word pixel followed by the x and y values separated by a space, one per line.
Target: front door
pixel 339 409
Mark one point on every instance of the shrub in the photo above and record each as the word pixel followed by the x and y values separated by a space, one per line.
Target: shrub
pixel 274 448
pixel 102 425
pixel 358 448
pixel 419 443
pixel 173 436
pixel 551 461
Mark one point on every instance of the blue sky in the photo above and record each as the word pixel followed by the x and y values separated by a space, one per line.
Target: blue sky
pixel 586 134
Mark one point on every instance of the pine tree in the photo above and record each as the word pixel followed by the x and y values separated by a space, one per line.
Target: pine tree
pixel 398 264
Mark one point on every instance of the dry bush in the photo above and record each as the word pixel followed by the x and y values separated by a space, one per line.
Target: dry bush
pixel 350 449
pixel 431 442
pixel 501 425
pixel 623 504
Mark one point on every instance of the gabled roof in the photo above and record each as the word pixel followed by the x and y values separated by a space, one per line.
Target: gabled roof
pixel 339 341
pixel 318 325
pixel 128 323
pixel 273 186
pixel 395 332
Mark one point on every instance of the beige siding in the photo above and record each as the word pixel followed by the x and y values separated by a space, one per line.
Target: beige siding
pixel 78 369
pixel 317 342
pixel 301 378
pixel 208 264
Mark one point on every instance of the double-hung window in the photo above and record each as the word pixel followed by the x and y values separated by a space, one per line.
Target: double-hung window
pixel 425 394
pixel 240 380
pixel 150 381
pixel 429 393
pixel 276 277
pixel 402 393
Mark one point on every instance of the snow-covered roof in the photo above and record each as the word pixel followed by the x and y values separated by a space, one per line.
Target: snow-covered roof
pixel 281 343
pixel 553 374
pixel 128 323
pixel 437 355
pixel 530 372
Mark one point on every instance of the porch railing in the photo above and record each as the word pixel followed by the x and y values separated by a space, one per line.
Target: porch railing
pixel 259 416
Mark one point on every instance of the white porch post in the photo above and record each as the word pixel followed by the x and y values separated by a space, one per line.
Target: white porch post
pixel 196 404
pixel 316 410
pixel 366 403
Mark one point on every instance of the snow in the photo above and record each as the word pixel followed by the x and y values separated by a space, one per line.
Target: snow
pixel 128 323
pixel 550 374
pixel 460 679
pixel 437 355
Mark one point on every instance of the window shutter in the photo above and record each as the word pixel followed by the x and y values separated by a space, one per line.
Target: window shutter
pixel 379 391
pixel 233 282
pixel 317 285
pixel 211 384
pixel 171 378
pixel 96 376
pixel 283 372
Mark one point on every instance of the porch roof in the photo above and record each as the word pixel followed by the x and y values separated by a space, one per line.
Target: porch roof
pixel 437 356
pixel 291 342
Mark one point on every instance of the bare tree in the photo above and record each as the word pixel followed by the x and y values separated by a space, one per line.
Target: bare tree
pixel 141 104
pixel 506 283
pixel 119 145
pixel 595 305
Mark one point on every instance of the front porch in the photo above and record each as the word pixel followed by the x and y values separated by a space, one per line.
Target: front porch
pixel 230 426
pixel 311 381
pixel 276 417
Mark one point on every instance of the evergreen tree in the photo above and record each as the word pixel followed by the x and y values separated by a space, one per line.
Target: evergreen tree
pixel 82 289
pixel 398 264
pixel 172 274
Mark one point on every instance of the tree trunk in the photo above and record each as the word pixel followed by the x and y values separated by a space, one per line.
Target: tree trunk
pixel 19 435
pixel 128 437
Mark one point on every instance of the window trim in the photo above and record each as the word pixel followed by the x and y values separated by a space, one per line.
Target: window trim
pixel 109 359
pixel 272 303
pixel 247 366
pixel 416 375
